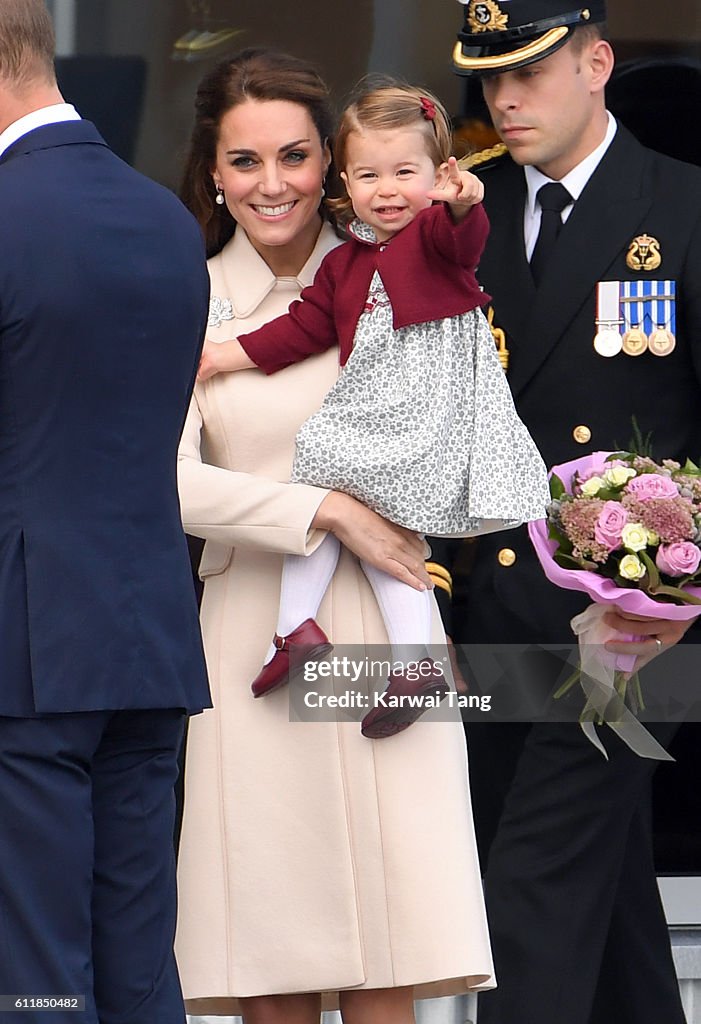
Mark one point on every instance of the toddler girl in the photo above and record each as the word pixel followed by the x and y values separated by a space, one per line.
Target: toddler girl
pixel 420 425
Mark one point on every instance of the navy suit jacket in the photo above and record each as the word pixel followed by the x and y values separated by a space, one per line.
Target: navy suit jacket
pixel 103 302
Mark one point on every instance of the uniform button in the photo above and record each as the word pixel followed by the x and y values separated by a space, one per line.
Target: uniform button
pixel 581 434
pixel 506 557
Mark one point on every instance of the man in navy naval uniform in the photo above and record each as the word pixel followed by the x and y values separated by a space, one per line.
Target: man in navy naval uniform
pixel 103 300
pixel 578 929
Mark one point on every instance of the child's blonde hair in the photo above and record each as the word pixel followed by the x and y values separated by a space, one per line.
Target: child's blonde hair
pixel 380 103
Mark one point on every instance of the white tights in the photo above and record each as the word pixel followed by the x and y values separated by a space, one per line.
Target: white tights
pixel 406 612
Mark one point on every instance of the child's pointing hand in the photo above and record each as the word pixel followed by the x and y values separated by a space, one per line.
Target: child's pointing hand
pixel 461 189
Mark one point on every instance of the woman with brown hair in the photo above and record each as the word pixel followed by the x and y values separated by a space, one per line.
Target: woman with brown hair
pixel 314 862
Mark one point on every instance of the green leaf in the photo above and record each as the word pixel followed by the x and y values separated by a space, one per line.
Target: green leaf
pixel 690 469
pixel 640 444
pixel 682 596
pixel 625 584
pixel 653 574
pixel 566 561
pixel 555 533
pixel 557 488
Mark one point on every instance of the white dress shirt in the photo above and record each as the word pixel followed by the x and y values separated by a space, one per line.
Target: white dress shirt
pixel 574 182
pixel 37 119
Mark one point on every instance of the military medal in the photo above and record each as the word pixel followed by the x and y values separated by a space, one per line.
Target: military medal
pixel 644 254
pixel 662 341
pixel 635 342
pixel 607 340
pixel 634 337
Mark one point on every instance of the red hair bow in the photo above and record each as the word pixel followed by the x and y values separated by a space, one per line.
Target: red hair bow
pixel 428 108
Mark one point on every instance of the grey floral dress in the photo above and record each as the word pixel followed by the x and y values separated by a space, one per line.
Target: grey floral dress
pixel 421 427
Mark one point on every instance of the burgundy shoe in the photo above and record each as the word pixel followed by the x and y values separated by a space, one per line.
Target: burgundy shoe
pixel 386 720
pixel 311 644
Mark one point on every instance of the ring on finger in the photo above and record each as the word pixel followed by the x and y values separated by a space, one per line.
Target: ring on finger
pixel 659 644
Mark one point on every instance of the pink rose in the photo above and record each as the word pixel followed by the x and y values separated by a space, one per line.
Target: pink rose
pixel 681 559
pixel 652 485
pixel 612 518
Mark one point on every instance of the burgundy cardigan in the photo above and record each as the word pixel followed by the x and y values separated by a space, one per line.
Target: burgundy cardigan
pixel 427 269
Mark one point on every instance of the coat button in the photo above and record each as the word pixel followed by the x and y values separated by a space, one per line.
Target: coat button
pixel 506 557
pixel 581 434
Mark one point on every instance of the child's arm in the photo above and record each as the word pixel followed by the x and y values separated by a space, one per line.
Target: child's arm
pixel 308 327
pixel 461 191
pixel 221 358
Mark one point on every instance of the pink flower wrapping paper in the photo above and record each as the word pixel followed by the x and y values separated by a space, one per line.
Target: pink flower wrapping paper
pixel 599 588
pixel 601 671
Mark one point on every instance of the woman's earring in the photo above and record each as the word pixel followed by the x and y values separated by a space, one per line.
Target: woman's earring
pixel 323 190
pixel 219 200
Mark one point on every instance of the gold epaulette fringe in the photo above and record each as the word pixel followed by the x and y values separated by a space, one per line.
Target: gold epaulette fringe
pixel 483 156
pixel 440 576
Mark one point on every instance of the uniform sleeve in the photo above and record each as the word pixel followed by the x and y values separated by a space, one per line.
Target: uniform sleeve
pixel 239 509
pixel 306 329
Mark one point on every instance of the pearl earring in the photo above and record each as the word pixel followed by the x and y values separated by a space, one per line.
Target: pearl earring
pixel 219 200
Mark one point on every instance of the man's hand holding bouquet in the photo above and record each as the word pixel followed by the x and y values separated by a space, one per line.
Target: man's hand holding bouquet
pixel 626 531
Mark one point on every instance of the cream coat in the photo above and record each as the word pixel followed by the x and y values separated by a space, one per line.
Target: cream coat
pixel 312 859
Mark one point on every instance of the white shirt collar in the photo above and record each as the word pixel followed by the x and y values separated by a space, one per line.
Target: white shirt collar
pixel 577 178
pixel 37 119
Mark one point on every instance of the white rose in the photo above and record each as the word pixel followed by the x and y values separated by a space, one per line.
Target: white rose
pixel 634 537
pixel 592 486
pixel 631 568
pixel 618 475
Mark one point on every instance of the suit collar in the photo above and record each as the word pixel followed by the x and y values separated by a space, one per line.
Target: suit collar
pixel 49 136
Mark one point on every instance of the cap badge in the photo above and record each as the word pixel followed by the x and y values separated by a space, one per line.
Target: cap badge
pixel 643 253
pixel 486 16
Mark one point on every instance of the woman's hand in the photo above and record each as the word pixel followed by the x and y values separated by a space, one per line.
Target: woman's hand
pixel 392 548
pixel 657 634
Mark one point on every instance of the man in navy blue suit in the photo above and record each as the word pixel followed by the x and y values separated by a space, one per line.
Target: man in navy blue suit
pixel 103 299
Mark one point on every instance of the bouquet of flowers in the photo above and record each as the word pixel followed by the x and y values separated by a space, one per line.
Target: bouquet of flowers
pixel 625 530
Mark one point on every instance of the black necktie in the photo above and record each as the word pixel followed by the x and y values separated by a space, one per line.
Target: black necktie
pixel 553 198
